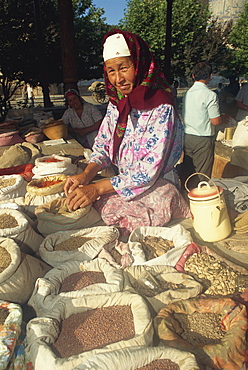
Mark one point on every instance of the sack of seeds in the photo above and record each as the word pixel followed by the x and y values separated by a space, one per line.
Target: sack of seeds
pixel 160 285
pixel 19 272
pixel 217 275
pixel 12 186
pixel 110 322
pixel 140 358
pixel 76 279
pixel 55 216
pixel 10 329
pixel 152 245
pixel 15 224
pixel 43 190
pixel 76 245
pixel 52 165
pixel 214 329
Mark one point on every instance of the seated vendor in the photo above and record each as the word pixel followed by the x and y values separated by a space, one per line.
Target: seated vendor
pixel 141 134
pixel 83 119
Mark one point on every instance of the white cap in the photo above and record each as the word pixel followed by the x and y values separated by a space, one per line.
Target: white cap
pixel 115 46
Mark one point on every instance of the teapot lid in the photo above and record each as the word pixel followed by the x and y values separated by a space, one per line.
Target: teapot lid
pixel 204 191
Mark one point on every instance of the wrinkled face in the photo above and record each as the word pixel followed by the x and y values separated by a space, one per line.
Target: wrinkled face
pixel 121 74
pixel 74 101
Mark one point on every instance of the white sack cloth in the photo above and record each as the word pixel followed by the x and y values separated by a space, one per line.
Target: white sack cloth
pixel 13 191
pixel 63 166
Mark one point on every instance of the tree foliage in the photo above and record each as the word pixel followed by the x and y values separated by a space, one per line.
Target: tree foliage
pixel 195 36
pixel 239 42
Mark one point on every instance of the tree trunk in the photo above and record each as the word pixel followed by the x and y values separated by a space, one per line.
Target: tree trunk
pixel 67 37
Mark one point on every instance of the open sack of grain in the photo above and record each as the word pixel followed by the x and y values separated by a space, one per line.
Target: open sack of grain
pixel 214 330
pixel 43 190
pixel 10 329
pixel 15 224
pixel 77 329
pixel 160 285
pixel 76 245
pixel 158 245
pixel 56 216
pixel 140 358
pixel 217 275
pixel 18 273
pixel 53 165
pixel 12 186
pixel 76 279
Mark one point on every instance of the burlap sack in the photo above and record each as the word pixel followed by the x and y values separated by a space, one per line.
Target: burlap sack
pixel 134 358
pixel 187 286
pixel 38 195
pixel 180 237
pixel 9 332
pixel 17 281
pixel 99 236
pixel 23 233
pixel 63 166
pixel 18 189
pixel 42 332
pixel 19 154
pixel 53 280
pixel 54 216
pixel 229 353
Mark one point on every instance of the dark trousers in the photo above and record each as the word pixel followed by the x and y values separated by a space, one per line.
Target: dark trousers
pixel 198 157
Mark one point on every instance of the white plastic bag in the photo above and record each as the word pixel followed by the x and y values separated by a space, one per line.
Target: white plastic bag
pixel 18 189
pixel 240 136
pixel 63 165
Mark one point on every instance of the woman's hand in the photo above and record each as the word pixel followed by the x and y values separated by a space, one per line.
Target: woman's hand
pixel 82 196
pixel 74 181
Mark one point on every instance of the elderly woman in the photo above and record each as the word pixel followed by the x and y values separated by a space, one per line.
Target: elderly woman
pixel 141 134
pixel 83 119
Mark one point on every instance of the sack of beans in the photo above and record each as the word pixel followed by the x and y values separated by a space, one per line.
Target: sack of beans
pixel 15 224
pixel 10 329
pixel 217 275
pixel 152 245
pixel 160 285
pixel 19 272
pixel 140 358
pixel 12 186
pixel 76 279
pixel 56 216
pixel 74 329
pixel 54 164
pixel 76 245
pixel 213 329
pixel 43 190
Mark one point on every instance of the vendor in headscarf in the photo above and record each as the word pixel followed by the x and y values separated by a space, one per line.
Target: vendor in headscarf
pixel 141 134
pixel 83 119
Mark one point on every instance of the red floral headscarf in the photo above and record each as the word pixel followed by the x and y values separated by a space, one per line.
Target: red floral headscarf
pixel 150 88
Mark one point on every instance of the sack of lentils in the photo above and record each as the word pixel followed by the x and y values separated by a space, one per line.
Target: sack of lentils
pixel 151 245
pixel 53 165
pixel 140 358
pixel 18 272
pixel 160 285
pixel 43 190
pixel 76 279
pixel 214 330
pixel 10 329
pixel 15 225
pixel 76 245
pixel 56 216
pixel 12 186
pixel 78 328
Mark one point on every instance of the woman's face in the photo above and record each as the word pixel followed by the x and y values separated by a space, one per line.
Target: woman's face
pixel 74 101
pixel 121 74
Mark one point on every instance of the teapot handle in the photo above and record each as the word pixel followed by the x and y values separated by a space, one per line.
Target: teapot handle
pixel 202 182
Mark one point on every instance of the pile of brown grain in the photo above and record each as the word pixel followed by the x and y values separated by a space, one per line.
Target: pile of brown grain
pixel 81 279
pixel 4 183
pixel 160 364
pixel 7 221
pixel 94 329
pixel 5 259
pixel 71 244
pixel 3 315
